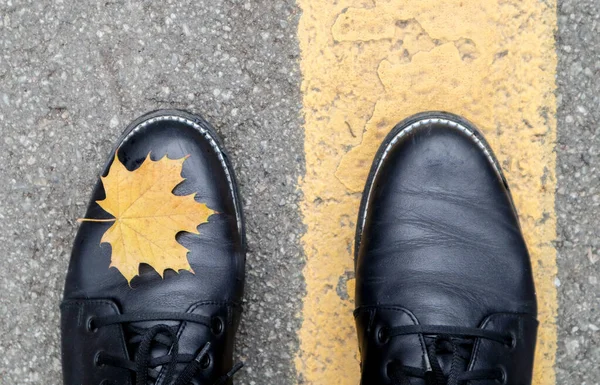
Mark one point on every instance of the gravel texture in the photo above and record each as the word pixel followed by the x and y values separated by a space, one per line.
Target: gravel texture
pixel 578 195
pixel 73 74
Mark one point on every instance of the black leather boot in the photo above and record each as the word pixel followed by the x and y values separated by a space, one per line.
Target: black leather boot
pixel 160 326
pixel 444 286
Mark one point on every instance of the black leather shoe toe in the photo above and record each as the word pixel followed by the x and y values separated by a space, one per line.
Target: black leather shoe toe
pixel 163 327
pixel 444 293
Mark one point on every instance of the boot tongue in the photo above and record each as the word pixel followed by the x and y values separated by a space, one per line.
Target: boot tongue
pixel 134 333
pixel 191 338
pixel 449 355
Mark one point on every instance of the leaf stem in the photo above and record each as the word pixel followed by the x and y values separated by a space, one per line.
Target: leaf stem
pixel 94 220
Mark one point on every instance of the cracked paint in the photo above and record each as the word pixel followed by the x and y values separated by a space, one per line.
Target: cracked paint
pixel 369 64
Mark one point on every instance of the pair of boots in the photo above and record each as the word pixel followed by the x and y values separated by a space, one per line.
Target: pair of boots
pixel 444 288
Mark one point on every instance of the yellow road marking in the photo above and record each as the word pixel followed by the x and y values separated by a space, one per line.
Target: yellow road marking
pixel 367 64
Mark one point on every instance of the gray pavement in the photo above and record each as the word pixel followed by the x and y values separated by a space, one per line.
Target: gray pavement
pixel 73 74
pixel 578 193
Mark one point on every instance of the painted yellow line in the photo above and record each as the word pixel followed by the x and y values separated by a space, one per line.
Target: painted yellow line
pixel 367 64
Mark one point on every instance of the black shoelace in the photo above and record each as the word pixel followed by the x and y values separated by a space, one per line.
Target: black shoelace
pixel 144 365
pixel 456 341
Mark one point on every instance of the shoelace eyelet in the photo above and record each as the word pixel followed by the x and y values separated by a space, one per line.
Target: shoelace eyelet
pixel 205 362
pixel 512 343
pixel 382 336
pixel 216 326
pixel 501 375
pixel 97 361
pixel 389 369
pixel 89 326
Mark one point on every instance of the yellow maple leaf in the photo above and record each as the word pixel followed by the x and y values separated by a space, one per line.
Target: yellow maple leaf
pixel 148 216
